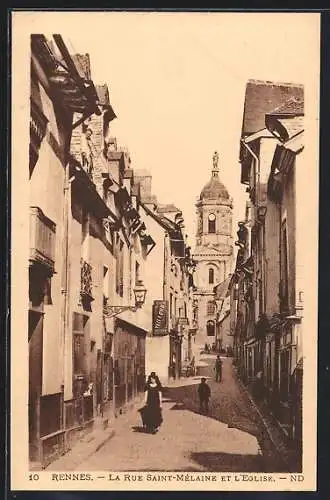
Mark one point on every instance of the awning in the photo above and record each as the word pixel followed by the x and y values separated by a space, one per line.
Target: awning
pixel 126 321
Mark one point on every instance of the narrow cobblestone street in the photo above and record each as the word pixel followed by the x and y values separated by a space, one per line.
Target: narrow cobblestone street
pixel 230 438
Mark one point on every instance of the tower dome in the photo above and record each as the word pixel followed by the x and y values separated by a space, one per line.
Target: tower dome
pixel 214 189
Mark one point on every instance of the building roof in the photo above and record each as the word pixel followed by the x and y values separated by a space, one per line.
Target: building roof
pixel 262 97
pixel 293 106
pixel 208 250
pixel 162 209
pixel 83 65
pixel 222 289
pixel 214 190
pixel 163 221
pixel 287 120
pixel 293 126
pixel 227 313
pixel 258 135
pixel 142 173
pixel 295 144
pixel 128 173
pixel 135 189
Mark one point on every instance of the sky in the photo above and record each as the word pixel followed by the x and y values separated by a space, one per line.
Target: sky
pixel 177 84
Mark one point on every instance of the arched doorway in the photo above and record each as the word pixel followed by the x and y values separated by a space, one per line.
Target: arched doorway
pixel 210 328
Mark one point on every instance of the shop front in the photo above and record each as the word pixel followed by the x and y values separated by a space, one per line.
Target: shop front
pixel 129 363
pixel 290 379
pixel 175 362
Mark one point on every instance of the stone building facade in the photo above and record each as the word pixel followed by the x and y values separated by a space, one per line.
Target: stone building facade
pixel 213 252
pixel 168 278
pixel 88 251
pixel 102 254
pixel 56 95
pixel 268 282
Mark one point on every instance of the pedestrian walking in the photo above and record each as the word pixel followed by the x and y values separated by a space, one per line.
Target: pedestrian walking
pixel 204 394
pixel 218 369
pixel 151 413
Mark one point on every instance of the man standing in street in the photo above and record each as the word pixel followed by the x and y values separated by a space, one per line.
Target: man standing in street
pixel 218 369
pixel 204 393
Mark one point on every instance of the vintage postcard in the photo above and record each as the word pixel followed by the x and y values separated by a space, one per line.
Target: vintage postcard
pixel 164 227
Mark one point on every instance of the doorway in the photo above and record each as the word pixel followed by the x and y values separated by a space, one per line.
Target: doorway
pixel 35 337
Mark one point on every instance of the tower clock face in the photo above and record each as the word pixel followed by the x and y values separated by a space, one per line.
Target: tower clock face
pixel 211 217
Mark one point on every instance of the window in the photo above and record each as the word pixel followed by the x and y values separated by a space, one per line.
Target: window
pixel 211 275
pixel 211 223
pixel 285 362
pixel 105 284
pixel 80 324
pixel 120 268
pixel 210 307
pixel 171 305
pixel 210 329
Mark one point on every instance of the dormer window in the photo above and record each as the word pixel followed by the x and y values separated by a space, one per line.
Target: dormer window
pixel 211 223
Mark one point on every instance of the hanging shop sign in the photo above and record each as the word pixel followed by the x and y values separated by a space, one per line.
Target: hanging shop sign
pixel 160 317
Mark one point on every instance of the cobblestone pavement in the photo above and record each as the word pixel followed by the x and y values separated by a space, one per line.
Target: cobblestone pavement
pixel 231 438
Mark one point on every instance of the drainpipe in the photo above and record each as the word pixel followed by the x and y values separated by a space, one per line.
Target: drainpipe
pixel 257 180
pixel 263 227
pixel 66 267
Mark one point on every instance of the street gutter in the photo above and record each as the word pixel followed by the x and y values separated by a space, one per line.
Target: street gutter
pixel 265 424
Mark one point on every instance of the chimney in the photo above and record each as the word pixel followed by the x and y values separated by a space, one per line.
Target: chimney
pixel 83 65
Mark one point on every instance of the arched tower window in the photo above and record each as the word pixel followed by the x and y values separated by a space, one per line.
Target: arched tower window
pixel 211 275
pixel 210 308
pixel 211 223
pixel 210 329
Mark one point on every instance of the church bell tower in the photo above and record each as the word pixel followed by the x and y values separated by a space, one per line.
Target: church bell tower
pixel 213 251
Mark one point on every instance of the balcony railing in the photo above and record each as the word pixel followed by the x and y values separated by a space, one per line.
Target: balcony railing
pixel 42 238
pixel 86 284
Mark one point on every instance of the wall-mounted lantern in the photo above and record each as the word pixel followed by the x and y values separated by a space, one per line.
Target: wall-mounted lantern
pixel 140 295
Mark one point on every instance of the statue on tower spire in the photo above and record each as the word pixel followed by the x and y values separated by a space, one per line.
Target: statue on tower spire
pixel 215 169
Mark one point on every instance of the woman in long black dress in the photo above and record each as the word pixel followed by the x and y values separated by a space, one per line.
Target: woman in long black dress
pixel 152 411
